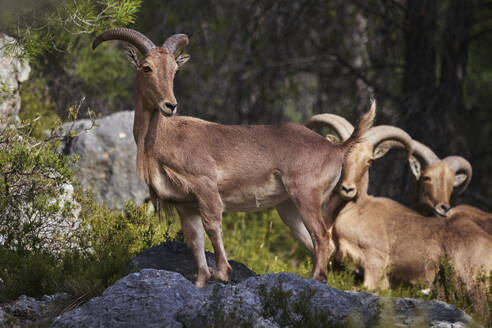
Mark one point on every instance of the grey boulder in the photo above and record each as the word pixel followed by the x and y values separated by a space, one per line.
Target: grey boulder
pixel 30 312
pixel 158 298
pixel 12 72
pixel 149 298
pixel 287 300
pixel 107 162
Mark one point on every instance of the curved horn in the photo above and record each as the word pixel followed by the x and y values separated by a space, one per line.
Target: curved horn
pixel 381 133
pixel 340 124
pixel 424 153
pixel 140 41
pixel 176 42
pixel 459 164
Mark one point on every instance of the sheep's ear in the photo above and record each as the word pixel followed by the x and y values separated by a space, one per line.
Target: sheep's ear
pixel 459 179
pixel 332 138
pixel 182 59
pixel 415 166
pixel 381 150
pixel 132 56
pixel 384 147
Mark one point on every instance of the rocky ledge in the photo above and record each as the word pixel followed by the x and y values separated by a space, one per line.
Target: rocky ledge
pixel 159 298
pixel 164 296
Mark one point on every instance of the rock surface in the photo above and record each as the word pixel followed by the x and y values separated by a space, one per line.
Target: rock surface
pixel 158 298
pixel 30 312
pixel 107 159
pixel 177 257
pixel 12 73
pixel 150 298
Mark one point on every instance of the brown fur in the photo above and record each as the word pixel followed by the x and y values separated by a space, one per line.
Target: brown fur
pixel 384 239
pixel 388 241
pixel 468 238
pixel 433 190
pixel 205 168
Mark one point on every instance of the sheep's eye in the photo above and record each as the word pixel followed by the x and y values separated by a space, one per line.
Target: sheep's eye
pixel 426 178
pixel 147 69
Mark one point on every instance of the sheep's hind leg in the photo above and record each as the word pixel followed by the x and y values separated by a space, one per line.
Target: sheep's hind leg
pixel 192 226
pixel 291 217
pixel 309 208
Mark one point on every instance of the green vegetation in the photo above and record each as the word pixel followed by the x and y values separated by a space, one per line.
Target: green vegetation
pixel 51 241
pixel 251 62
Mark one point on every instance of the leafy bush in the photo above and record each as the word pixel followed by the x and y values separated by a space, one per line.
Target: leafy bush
pixel 476 301
pixel 107 241
pixel 37 107
pixel 263 242
pixel 53 241
pixel 35 212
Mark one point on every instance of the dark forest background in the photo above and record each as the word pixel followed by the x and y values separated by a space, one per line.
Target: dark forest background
pixel 427 62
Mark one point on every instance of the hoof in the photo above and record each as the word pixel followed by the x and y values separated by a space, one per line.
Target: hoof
pixel 222 274
pixel 320 277
pixel 202 279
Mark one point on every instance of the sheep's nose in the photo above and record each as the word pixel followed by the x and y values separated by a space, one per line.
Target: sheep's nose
pixel 167 108
pixel 348 191
pixel 171 106
pixel 442 209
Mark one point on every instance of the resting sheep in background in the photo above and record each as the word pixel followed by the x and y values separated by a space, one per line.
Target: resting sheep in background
pixel 436 179
pixel 204 168
pixel 383 238
pixel 470 254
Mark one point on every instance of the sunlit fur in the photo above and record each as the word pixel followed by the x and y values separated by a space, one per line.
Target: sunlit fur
pixel 390 242
pixel 204 168
pixel 385 240
pixel 468 239
pixel 434 189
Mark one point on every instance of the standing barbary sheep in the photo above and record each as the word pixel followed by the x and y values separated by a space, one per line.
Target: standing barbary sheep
pixel 204 168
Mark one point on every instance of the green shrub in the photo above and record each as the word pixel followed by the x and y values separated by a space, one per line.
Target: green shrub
pixel 37 107
pixel 477 300
pixel 107 241
pixel 52 242
pixel 35 212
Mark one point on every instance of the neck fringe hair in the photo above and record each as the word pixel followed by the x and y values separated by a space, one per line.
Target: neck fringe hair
pixel 165 210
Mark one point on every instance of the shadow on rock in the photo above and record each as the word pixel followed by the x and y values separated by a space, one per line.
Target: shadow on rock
pixel 177 257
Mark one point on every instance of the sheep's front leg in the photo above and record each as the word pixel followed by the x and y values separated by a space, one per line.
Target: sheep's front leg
pixel 192 226
pixel 211 207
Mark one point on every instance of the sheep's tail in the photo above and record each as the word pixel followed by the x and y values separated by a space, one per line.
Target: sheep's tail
pixel 361 127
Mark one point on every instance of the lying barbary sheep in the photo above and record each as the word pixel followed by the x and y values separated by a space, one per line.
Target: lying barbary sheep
pixel 387 240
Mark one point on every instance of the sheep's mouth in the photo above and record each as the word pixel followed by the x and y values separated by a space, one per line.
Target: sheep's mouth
pixel 440 214
pixel 167 112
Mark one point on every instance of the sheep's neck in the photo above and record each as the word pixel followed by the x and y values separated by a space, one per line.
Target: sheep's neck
pixel 141 124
